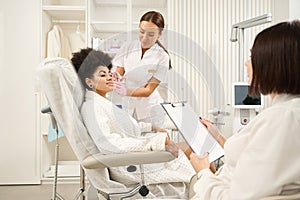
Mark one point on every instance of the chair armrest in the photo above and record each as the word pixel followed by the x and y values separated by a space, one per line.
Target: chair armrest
pixel 191 186
pixel 124 159
pixel 46 110
pixel 283 197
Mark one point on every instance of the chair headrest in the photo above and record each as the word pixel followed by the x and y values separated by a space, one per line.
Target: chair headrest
pixel 65 95
pixel 70 76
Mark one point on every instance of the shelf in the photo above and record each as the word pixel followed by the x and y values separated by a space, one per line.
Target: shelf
pixel 114 3
pixel 58 12
pixel 64 8
pixel 122 3
pixel 153 4
pixel 65 169
pixel 116 27
pixel 108 22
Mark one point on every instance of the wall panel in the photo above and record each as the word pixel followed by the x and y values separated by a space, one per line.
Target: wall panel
pixel 212 66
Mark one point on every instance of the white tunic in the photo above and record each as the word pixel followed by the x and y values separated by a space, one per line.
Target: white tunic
pixel 262 159
pixel 138 71
pixel 114 131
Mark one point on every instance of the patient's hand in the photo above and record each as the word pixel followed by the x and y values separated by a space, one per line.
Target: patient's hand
pixel 158 129
pixel 171 147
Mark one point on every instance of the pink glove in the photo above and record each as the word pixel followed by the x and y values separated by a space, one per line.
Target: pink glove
pixel 116 76
pixel 121 89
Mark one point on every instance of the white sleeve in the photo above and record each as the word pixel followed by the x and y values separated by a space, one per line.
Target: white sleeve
pixel 53 44
pixel 272 154
pixel 210 186
pixel 265 165
pixel 162 67
pixel 112 142
pixel 145 127
pixel 118 60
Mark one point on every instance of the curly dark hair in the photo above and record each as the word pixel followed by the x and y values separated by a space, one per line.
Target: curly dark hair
pixel 86 62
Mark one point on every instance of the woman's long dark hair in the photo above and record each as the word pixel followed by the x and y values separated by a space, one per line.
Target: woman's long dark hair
pixel 158 20
pixel 276 59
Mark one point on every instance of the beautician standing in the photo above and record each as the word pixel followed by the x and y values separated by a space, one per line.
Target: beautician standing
pixel 144 64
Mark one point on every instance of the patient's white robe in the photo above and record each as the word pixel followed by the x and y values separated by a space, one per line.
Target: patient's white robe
pixel 115 131
pixel 262 159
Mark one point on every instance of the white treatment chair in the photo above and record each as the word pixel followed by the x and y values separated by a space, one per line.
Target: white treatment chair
pixel 64 92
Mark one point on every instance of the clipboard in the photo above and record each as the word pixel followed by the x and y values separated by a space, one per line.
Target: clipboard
pixel 192 130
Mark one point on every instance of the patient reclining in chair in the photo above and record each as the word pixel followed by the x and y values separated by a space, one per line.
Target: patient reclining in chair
pixel 115 131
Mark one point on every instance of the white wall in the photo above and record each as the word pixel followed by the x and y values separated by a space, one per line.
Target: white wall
pixel 19 56
pixel 294 10
pixel 214 64
pixel 286 10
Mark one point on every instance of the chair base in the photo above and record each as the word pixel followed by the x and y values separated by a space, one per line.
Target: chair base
pixel 79 194
pixel 140 188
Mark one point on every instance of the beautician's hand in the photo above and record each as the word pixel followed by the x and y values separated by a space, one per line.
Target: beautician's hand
pixel 198 162
pixel 171 147
pixel 116 76
pixel 121 89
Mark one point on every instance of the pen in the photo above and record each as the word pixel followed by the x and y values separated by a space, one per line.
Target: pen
pixel 216 123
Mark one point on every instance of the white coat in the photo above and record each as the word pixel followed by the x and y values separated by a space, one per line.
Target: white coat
pixel 115 131
pixel 261 160
pixel 58 44
pixel 155 63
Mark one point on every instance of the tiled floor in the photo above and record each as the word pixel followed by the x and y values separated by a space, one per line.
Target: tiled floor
pixel 37 192
pixel 44 192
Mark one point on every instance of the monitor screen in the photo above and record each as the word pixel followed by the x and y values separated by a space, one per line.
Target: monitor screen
pixel 242 99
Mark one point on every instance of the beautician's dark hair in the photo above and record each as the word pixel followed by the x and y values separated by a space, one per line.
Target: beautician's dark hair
pixel 157 19
pixel 275 59
pixel 86 62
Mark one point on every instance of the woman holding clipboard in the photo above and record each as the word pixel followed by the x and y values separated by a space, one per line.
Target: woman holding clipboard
pixel 263 158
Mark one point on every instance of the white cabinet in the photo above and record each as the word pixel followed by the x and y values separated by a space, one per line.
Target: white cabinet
pixel 70 17
pixel 112 22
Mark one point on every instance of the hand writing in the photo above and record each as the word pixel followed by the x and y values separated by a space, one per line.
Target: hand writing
pixel 198 162
pixel 212 129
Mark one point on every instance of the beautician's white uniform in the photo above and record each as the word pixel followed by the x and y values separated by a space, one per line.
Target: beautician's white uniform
pixel 155 63
pixel 261 160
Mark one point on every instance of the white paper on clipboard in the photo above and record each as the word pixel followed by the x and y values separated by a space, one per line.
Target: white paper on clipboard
pixel 192 130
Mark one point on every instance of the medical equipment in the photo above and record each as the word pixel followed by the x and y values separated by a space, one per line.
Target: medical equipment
pixel 65 95
pixel 245 105
pixel 242 99
pixel 266 18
